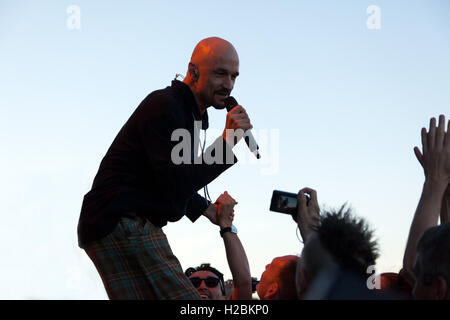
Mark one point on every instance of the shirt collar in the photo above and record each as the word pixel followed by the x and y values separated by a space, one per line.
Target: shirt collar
pixel 188 97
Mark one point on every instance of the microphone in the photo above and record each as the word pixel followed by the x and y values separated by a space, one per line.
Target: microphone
pixel 230 103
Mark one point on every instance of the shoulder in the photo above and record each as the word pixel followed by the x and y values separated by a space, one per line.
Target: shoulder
pixel 160 104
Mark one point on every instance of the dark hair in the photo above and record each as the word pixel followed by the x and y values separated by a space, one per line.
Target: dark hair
pixel 207 267
pixel 433 250
pixel 348 240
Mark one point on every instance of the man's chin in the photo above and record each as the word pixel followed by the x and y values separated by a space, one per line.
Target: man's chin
pixel 219 103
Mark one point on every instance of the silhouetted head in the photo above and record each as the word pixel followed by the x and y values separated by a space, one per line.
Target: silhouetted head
pixel 339 239
pixel 432 264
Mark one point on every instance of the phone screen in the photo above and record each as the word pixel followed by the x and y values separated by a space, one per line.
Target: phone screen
pixel 284 202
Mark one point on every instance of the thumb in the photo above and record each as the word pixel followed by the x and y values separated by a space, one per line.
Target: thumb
pixel 419 155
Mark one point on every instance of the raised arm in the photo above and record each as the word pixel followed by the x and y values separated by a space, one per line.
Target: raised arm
pixel 435 160
pixel 236 257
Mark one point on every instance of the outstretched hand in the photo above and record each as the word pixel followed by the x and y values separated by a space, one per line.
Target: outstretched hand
pixel 435 155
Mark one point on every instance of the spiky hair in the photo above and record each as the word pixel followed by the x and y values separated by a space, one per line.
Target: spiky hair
pixel 348 239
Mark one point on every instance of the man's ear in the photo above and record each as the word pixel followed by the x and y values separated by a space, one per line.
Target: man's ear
pixel 193 71
pixel 442 290
pixel 271 292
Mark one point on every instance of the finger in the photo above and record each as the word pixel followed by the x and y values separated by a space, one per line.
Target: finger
pixel 440 132
pixel 237 109
pixel 313 195
pixel 301 200
pixel 447 136
pixel 423 134
pixel 432 133
pixel 419 155
pixel 311 192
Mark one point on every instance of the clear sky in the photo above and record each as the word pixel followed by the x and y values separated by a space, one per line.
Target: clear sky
pixel 336 106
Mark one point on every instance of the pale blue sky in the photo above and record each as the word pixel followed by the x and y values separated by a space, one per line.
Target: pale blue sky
pixel 347 103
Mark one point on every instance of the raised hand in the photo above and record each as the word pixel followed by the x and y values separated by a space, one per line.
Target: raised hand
pixel 236 124
pixel 308 212
pixel 435 155
pixel 225 210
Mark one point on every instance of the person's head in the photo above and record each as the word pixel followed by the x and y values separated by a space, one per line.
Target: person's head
pixel 394 283
pixel 212 72
pixel 339 239
pixel 432 264
pixel 278 280
pixel 208 281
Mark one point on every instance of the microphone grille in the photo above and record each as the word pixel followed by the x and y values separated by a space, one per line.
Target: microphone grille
pixel 230 103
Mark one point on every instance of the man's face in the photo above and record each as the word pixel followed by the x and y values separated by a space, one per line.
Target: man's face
pixel 216 79
pixel 267 277
pixel 205 292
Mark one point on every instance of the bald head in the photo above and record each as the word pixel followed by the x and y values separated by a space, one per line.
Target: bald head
pixel 213 48
pixel 212 72
pixel 278 280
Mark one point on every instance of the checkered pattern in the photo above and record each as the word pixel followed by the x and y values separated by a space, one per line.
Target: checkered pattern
pixel 135 262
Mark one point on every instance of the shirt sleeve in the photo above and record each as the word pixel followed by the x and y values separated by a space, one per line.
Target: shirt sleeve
pixel 196 206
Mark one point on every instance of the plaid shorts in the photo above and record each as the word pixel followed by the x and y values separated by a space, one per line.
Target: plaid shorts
pixel 135 262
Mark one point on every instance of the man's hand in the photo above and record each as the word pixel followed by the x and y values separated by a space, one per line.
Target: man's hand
pixel 308 212
pixel 225 210
pixel 435 155
pixel 237 119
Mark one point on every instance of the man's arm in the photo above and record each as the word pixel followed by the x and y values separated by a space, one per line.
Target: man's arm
pixel 236 257
pixel 435 161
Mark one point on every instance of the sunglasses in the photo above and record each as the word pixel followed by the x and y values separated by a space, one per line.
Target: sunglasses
pixel 210 282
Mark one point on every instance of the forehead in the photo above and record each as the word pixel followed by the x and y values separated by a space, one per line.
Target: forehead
pixel 203 274
pixel 226 64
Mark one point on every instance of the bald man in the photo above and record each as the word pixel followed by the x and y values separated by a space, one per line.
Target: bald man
pixel 142 185
pixel 278 280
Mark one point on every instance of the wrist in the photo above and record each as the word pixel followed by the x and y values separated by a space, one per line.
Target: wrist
pixel 223 225
pixel 435 184
pixel 210 211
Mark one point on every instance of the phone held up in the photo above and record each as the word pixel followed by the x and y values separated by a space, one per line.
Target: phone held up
pixel 285 202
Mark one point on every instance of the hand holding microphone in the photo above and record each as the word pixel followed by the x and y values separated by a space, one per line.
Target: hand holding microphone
pixel 237 118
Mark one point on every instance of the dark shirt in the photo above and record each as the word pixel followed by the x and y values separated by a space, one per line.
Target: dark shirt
pixel 138 175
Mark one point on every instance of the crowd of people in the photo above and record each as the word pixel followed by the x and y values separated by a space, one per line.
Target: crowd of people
pixel 339 248
pixel 139 189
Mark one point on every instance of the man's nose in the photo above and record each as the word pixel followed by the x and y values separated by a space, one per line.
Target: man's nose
pixel 228 82
pixel 202 284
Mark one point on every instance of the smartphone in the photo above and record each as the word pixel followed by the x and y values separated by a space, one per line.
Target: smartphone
pixel 285 202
